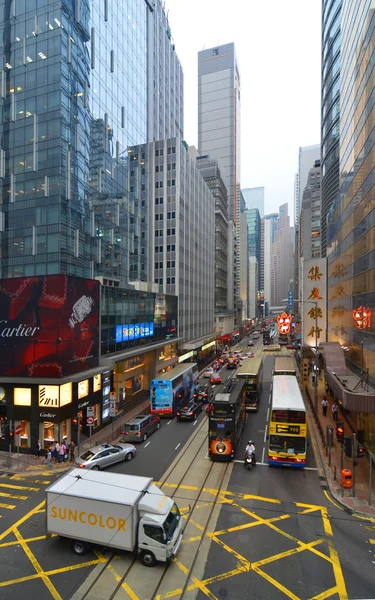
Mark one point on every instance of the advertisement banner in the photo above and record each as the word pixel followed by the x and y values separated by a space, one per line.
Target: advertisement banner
pixel 49 326
pixel 161 395
pixel 314 307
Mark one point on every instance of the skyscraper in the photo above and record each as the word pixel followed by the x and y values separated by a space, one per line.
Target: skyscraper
pixel 310 219
pixel 219 131
pixel 254 198
pixel 330 109
pixel 282 257
pixel 307 156
pixel 269 223
pixel 253 236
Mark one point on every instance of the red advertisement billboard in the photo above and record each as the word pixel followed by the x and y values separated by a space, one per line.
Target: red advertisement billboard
pixel 49 326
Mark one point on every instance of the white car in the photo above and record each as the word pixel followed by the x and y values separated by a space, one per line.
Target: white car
pixel 208 372
pixel 100 457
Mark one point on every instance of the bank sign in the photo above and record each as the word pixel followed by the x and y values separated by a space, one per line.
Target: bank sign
pixel 49 326
pixel 314 305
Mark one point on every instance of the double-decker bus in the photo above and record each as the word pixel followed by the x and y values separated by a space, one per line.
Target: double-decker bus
pixel 171 389
pixel 288 425
pixel 226 420
pixel 285 366
pixel 252 372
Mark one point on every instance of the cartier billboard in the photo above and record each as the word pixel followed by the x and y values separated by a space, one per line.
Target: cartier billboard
pixel 49 326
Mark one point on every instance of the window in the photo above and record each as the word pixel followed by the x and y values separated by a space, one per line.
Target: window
pixel 155 533
pixel 157 233
pixel 171 231
pixel 156 200
pixel 156 185
pixel 161 200
pixel 156 217
pixel 156 249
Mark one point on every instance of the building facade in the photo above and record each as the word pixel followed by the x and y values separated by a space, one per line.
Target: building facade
pixel 254 237
pixel 254 198
pixel 330 110
pixel 252 287
pixel 182 254
pixel 350 248
pixel 219 103
pixel 269 224
pixel 282 260
pixel 310 218
pixel 244 266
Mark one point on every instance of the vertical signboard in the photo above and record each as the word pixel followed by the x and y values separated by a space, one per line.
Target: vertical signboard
pixel 314 307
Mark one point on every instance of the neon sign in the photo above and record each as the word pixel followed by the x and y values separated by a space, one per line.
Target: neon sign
pixel 362 317
pixel 284 322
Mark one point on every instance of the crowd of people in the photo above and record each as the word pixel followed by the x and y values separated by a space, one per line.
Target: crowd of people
pixel 58 452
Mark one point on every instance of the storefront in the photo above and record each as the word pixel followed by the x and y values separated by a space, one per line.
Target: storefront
pixel 203 350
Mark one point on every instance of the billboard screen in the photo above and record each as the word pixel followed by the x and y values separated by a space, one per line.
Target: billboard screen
pixel 49 326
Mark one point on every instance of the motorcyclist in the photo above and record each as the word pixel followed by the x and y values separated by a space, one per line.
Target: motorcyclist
pixel 250 451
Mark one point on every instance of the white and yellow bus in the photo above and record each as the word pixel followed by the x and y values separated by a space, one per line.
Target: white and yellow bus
pixel 288 424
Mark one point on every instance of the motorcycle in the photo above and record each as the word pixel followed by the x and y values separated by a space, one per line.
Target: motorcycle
pixel 249 462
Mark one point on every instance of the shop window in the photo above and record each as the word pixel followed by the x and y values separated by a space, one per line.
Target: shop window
pixel 25 433
pixel 65 393
pixel 48 433
pixel 22 396
pixel 83 388
pixel 66 430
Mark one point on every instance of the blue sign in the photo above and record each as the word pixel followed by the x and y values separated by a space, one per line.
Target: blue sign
pixel 131 332
pixel 118 334
pixel 125 333
pixel 151 328
pixel 142 330
pixel 147 329
pixel 136 331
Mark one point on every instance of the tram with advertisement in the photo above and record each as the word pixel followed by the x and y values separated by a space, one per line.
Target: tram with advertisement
pixel 226 421
pixel 170 390
pixel 285 365
pixel 287 441
pixel 252 372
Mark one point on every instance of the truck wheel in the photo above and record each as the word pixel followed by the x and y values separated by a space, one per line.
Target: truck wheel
pixel 129 456
pixel 148 558
pixel 145 437
pixel 80 548
pixel 96 468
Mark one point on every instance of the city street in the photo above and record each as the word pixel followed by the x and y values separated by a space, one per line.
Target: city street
pixel 274 532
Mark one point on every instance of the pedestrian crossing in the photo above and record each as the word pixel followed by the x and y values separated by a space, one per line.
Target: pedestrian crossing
pixel 15 490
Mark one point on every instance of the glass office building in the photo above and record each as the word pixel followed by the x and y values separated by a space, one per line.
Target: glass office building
pixel 330 106
pixel 74 114
pixel 254 235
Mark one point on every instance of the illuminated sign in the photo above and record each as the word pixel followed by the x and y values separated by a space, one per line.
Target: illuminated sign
pixel 284 322
pixel 48 395
pixel 83 388
pixel 362 317
pixel 65 393
pixel 185 356
pixel 97 382
pixel 314 307
pixel 208 345
pixel 22 396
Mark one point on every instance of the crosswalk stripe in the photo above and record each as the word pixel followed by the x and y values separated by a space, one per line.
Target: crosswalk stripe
pixel 19 478
pixel 18 487
pixel 9 506
pixel 4 495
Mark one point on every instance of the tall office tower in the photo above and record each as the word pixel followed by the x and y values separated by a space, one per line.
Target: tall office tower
pixel 307 156
pixel 310 215
pixel 350 261
pixel 182 208
pixel 165 78
pixel 252 287
pixel 269 225
pixel 282 257
pixel 330 110
pixel 213 174
pixel 254 198
pixel 261 266
pixel 244 266
pixel 219 132
pixel 254 235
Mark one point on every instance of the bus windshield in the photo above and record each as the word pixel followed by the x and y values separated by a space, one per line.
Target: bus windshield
pixel 288 416
pixel 284 443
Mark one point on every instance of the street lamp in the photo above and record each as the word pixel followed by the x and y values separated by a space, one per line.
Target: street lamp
pixel 316 399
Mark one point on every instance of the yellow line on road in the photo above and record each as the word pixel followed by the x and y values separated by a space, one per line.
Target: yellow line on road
pixel 49 573
pixel 275 583
pixel 28 541
pixel 32 558
pixel 132 595
pixel 22 520
pixel 372 541
pixel 252 524
pixel 4 495
pixel 200 585
pixel 8 506
pixel 326 594
pixel 19 487
pixel 332 501
pixel 339 577
pixel 19 478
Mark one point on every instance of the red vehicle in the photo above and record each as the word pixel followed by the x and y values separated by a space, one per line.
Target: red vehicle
pixel 251 343
pixel 215 379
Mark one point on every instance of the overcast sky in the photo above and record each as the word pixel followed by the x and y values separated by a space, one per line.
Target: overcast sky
pixel 278 51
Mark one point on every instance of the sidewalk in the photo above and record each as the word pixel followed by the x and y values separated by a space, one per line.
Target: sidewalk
pixel 331 464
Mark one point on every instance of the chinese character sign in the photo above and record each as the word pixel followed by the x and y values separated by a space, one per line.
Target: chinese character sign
pixel 314 308
pixel 284 322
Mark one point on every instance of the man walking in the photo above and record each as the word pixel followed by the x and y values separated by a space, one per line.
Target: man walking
pixel 71 451
pixel 335 411
pixel 324 406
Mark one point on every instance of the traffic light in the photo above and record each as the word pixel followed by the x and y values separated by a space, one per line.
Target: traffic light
pixel 340 431
pixel 360 451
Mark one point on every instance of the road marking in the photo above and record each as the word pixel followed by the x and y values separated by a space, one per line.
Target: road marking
pixel 18 487
pixel 331 501
pixel 8 506
pixel 195 422
pixel 268 414
pixel 263 455
pixel 3 495
pixel 265 436
pixel 169 422
pixel 148 443
pixel 178 445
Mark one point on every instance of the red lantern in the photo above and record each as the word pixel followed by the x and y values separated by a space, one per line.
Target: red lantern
pixel 284 322
pixel 362 317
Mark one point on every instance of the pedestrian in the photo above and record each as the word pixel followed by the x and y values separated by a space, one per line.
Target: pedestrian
pixel 53 451
pixel 49 459
pixel 57 451
pixel 38 448
pixel 313 379
pixel 71 451
pixel 335 410
pixel 61 452
pixel 324 406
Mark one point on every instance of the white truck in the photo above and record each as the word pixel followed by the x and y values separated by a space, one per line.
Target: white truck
pixel 123 512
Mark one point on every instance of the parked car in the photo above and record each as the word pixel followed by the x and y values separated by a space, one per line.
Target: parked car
pixel 216 379
pixel 208 372
pixel 100 457
pixel 250 343
pixel 204 394
pixel 291 347
pixel 140 427
pixel 189 411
